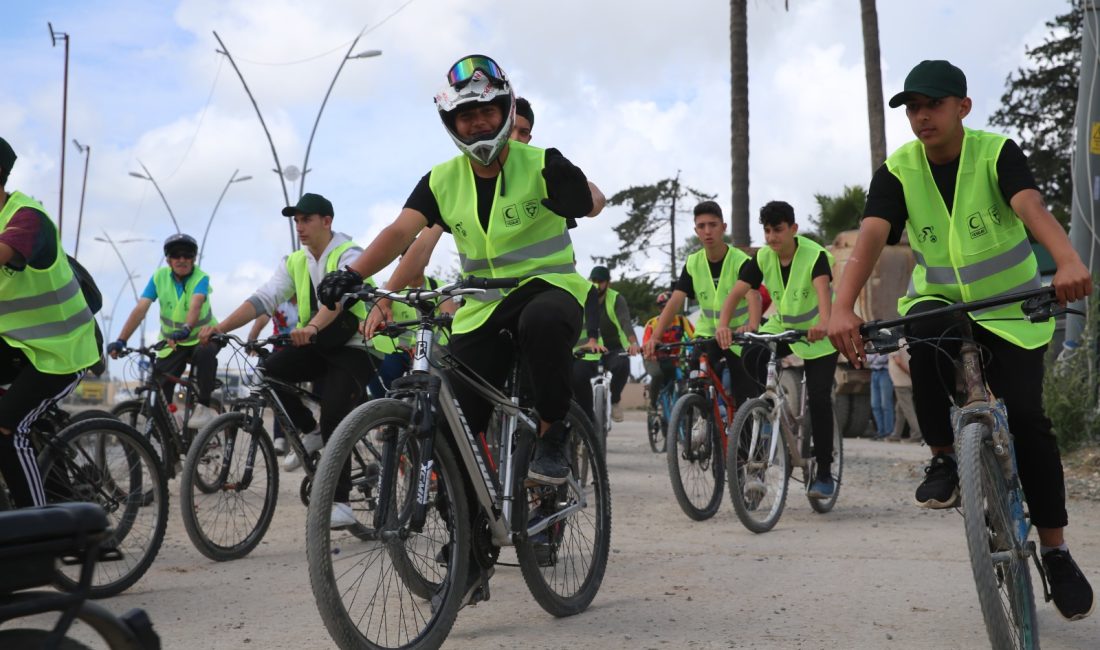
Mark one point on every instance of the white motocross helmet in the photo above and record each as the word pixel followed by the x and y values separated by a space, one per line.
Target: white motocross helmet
pixel 477 79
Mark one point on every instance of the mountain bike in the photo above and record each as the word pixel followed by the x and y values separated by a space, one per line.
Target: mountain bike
pixel 402 586
pixel 995 519
pixel 696 444
pixel 230 478
pixel 772 436
pixel 33 543
pixel 153 416
pixel 657 420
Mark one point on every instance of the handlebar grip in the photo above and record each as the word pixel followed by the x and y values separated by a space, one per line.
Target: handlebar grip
pixel 490 283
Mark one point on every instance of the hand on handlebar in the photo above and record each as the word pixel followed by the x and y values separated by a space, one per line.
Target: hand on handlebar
pixel 301 336
pixel 205 334
pixel 114 347
pixel 634 349
pixel 844 334
pixel 1072 282
pixel 723 336
pixel 379 315
pixel 817 332
pixel 594 346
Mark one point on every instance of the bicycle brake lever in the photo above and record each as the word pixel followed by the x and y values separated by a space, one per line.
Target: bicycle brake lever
pixel 883 340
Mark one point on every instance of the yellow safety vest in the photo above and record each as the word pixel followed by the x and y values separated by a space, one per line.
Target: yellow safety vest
pixel 298 267
pixel 795 301
pixel 174 308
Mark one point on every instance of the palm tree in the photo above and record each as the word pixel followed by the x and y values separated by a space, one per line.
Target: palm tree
pixel 739 121
pixel 872 67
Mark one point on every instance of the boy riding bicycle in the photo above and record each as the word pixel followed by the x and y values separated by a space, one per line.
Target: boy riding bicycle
pixel 662 368
pixel 967 200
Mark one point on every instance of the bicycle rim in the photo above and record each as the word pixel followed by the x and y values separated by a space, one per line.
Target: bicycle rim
pixel 695 457
pixel 372 588
pixel 758 480
pixel 998 556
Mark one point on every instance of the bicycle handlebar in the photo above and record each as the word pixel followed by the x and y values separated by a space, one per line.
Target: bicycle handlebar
pixel 223 339
pixel 468 285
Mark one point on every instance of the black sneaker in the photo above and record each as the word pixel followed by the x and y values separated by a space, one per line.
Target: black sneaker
pixel 475 591
pixel 550 465
pixel 940 488
pixel 1069 588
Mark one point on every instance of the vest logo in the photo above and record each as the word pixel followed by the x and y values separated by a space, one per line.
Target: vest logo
pixel 531 208
pixel 805 293
pixel 994 215
pixel 459 229
pixel 927 233
pixel 976 225
pixel 511 216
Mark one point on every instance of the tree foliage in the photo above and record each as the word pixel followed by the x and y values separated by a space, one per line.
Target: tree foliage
pixel 839 213
pixel 1040 104
pixel 647 231
pixel 641 296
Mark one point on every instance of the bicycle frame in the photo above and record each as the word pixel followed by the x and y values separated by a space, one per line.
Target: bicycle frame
pixel 781 416
pixel 708 383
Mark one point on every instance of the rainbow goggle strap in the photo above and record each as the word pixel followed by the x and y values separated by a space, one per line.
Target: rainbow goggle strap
pixel 465 71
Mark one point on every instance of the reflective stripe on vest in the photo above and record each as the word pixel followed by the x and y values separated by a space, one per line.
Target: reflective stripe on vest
pixel 795 301
pixel 524 239
pixel 174 308
pixel 979 250
pixel 609 299
pixel 709 297
pixel 43 312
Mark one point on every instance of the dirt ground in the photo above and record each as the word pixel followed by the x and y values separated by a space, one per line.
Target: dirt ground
pixel 875 573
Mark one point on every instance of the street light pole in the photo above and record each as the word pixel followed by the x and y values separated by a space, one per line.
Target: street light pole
pixel 55 37
pixel 149 177
pixel 232 179
pixel 126 269
pixel 87 151
pixel 118 297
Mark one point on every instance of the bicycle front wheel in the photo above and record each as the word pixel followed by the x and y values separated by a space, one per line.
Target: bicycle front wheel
pixel 563 563
pixel 695 457
pixel 371 579
pixel 229 487
pixel 603 418
pixel 992 508
pixel 135 412
pixel 758 479
pixel 836 467
pixel 105 461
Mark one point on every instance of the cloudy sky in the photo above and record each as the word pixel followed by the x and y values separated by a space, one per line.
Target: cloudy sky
pixel 631 90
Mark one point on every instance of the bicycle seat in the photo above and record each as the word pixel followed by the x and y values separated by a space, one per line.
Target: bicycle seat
pixel 49 523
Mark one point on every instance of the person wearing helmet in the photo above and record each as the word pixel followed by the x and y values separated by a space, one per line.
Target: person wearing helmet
pixel 615 335
pixel 44 350
pixel 662 367
pixel 182 289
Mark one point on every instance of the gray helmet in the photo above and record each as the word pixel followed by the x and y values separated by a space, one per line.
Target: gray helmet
pixel 181 242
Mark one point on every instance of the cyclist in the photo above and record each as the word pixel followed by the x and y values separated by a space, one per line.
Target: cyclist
pixel 525 121
pixel 968 200
pixel 615 336
pixel 324 345
pixel 662 368
pixel 506 204
pixel 707 278
pixel 798 272
pixel 182 289
pixel 283 321
pixel 47 332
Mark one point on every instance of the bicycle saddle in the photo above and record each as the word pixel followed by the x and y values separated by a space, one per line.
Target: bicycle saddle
pixel 48 523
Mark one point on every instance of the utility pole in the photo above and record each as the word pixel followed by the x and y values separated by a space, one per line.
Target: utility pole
pixel 672 221
pixel 55 37
pixel 87 151
pixel 1086 159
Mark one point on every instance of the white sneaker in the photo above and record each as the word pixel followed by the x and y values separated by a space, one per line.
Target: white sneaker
pixel 342 516
pixel 312 442
pixel 280 446
pixel 201 416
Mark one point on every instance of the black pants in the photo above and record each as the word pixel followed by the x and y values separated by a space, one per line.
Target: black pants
pixel 584 371
pixel 31 392
pixel 345 373
pixel 1015 375
pixel 746 379
pixel 819 388
pixel 544 321
pixel 204 358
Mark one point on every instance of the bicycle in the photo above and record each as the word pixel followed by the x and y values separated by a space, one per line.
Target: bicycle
pixel 696 446
pixel 657 420
pixel 411 571
pixel 153 416
pixel 33 542
pixel 106 462
pixel 230 477
pixel 995 520
pixel 771 439
pixel 601 397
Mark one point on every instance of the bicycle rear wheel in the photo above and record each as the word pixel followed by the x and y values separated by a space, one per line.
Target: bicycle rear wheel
pixel 998 553
pixel 758 479
pixel 105 461
pixel 135 412
pixel 563 564
pixel 370 587
pixel 229 487
pixel 695 457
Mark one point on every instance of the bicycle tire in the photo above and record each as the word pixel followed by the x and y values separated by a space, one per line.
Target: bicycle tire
pixel 226 523
pixel 332 553
pixel 564 570
pixel 80 464
pixel 655 432
pixel 90 414
pixel 134 413
pixel 695 457
pixel 758 485
pixel 31 638
pixel 602 421
pixel 1004 585
pixel 822 506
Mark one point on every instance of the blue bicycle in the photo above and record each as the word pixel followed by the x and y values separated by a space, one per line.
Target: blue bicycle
pixel 657 420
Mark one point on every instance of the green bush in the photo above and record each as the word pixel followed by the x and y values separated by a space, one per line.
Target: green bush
pixel 1071 387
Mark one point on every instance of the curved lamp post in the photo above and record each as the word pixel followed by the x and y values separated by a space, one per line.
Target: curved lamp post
pixel 122 260
pixel 87 151
pixel 149 177
pixel 232 179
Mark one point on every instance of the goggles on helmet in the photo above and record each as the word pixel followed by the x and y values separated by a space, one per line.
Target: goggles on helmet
pixel 462 72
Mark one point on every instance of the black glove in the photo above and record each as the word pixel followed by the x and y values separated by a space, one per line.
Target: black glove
pixel 567 189
pixel 334 285
pixel 114 347
pixel 181 334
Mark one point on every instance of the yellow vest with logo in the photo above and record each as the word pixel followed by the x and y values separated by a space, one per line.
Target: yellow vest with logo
pixel 796 306
pixel 43 311
pixel 174 308
pixel 609 299
pixel 298 267
pixel 978 250
pixel 524 239
pixel 710 298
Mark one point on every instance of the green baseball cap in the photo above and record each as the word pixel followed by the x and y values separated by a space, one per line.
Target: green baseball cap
pixel 600 274
pixel 934 79
pixel 7 155
pixel 310 204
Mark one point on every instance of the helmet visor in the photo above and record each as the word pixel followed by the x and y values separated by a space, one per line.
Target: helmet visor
pixel 462 73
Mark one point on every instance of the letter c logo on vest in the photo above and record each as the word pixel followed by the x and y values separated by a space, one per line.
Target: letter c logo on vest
pixel 976 225
pixel 511 216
